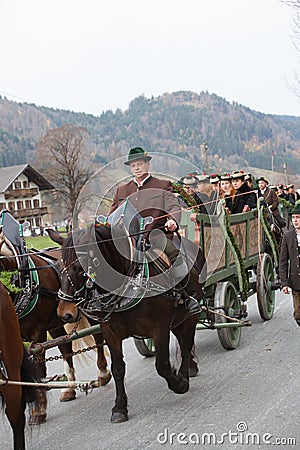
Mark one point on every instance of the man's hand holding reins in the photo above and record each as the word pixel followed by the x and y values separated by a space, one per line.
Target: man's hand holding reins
pixel 171 225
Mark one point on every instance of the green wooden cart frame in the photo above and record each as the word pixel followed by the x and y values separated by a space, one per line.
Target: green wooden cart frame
pixel 242 259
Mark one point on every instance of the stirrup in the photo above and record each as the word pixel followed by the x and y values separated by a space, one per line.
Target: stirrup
pixel 192 305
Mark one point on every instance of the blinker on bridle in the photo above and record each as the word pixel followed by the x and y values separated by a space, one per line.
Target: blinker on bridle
pixel 88 284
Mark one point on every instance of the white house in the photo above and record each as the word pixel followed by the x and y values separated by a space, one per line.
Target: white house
pixel 20 193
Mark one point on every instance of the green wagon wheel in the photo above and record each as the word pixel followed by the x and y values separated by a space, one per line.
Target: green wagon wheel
pixel 145 346
pixel 226 301
pixel 265 294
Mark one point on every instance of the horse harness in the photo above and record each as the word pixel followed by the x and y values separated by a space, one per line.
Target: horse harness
pixel 24 281
pixel 90 301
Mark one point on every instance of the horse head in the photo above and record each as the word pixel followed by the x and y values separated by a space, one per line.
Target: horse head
pixel 89 259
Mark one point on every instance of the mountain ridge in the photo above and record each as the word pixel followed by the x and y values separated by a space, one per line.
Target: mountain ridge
pixel 176 123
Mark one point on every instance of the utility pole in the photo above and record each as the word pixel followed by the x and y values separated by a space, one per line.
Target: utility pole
pixel 285 174
pixel 272 165
pixel 205 151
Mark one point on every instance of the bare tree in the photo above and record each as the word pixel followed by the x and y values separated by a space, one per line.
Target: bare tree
pixel 63 158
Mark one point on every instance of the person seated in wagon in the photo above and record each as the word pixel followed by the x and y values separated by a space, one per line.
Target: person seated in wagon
pixel 244 198
pixel 271 199
pixel 152 196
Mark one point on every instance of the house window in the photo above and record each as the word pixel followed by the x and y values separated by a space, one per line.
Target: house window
pixel 2 206
pixel 11 206
pixel 25 184
pixel 36 203
pixel 18 185
pixel 20 204
pixel 28 204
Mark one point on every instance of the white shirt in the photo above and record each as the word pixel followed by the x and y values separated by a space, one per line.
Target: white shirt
pixel 142 182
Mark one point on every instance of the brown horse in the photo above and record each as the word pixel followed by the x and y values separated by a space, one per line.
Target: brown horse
pixel 43 318
pixel 14 366
pixel 152 317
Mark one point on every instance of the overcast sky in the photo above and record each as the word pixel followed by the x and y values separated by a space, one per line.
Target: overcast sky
pixel 95 55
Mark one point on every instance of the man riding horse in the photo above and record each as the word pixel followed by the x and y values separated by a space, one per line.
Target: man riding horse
pixel 154 197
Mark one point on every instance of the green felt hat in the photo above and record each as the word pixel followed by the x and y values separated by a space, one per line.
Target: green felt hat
pixel 295 210
pixel 262 179
pixel 135 154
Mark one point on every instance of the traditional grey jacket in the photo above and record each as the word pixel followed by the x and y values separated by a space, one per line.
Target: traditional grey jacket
pixel 289 270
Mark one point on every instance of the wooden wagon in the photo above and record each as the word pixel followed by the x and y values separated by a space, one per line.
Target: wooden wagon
pixel 242 259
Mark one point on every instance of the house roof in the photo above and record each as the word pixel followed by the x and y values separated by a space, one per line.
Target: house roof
pixel 9 174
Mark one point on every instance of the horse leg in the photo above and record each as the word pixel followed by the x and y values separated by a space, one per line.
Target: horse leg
pixel 15 412
pixel 38 414
pixel 104 374
pixel 119 411
pixel 67 394
pixel 177 382
pixel 185 334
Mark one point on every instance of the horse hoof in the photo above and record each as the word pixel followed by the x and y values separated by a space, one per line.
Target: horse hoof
pixel 193 372
pixel 118 417
pixel 67 396
pixel 105 380
pixel 37 419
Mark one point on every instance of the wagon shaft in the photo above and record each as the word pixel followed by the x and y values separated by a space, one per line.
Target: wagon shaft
pixel 41 347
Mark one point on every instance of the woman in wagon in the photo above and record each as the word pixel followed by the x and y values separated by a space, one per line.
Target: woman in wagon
pixel 227 191
pixel 289 261
pixel 154 197
pixel 245 198
pixel 214 197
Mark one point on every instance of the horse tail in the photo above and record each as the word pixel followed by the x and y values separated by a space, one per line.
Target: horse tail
pixel 29 374
pixel 82 324
pixel 84 342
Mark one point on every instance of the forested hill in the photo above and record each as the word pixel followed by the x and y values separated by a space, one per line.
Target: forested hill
pixel 176 123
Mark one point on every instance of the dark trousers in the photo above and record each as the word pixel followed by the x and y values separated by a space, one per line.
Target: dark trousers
pixel 296 302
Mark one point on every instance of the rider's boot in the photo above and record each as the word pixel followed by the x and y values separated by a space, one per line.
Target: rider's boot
pixel 191 302
pixel 180 271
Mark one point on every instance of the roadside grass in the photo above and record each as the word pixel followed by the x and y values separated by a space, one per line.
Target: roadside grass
pixel 41 242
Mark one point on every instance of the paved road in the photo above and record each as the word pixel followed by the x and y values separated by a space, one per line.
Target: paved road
pixel 246 398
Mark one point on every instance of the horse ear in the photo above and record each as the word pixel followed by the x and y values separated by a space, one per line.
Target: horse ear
pixel 55 236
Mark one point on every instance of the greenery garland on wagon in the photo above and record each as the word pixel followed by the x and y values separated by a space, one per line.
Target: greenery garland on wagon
pixel 244 293
pixel 285 203
pixel 268 226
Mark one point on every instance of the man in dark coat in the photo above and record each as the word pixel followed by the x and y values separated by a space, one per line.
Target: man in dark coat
pixel 153 197
pixel 271 199
pixel 289 267
pixel 159 202
pixel 245 198
pixel 293 195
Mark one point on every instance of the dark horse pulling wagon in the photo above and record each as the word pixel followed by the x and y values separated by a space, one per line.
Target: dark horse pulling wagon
pixel 242 259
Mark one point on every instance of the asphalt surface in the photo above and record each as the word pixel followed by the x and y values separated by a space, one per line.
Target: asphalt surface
pixel 244 398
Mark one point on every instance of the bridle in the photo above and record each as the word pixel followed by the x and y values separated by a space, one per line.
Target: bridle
pixel 80 295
